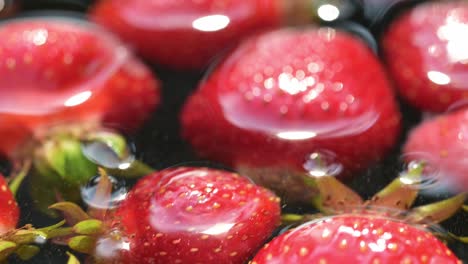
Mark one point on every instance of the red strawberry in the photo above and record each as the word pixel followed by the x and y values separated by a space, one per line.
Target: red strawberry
pixel 355 239
pixel 57 70
pixel 188 34
pixel 9 211
pixel 286 94
pixel 442 141
pixel 185 34
pixel 426 54
pixel 187 215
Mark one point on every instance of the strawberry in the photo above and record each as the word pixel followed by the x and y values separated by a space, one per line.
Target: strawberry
pixel 9 211
pixel 355 239
pixel 425 51
pixel 63 82
pixel 442 142
pixel 187 215
pixel 59 70
pixel 188 34
pixel 286 94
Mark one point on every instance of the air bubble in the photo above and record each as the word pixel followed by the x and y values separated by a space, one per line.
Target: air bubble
pixel 103 151
pixel 90 193
pixel 323 163
pixel 430 181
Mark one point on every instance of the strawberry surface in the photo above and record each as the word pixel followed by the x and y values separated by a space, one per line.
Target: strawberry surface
pixel 9 211
pixel 58 70
pixel 442 142
pixel 195 215
pixel 355 239
pixel 426 54
pixel 185 34
pixel 286 94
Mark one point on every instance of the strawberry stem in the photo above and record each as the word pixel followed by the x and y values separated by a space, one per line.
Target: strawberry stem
pixel 18 178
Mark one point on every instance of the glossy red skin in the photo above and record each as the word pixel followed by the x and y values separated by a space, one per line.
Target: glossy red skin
pixel 162 31
pixel 355 239
pixel 241 117
pixel 428 42
pixel 61 58
pixel 9 211
pixel 442 142
pixel 196 215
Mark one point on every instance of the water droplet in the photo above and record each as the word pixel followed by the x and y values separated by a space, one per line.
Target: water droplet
pixel 323 163
pixel 103 152
pixel 117 194
pixel 430 181
pixel 109 247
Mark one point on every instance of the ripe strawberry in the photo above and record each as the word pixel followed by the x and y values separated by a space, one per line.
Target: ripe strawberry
pixel 355 239
pixel 58 70
pixel 9 211
pixel 187 215
pixel 442 142
pixel 185 34
pixel 286 94
pixel 188 34
pixel 426 54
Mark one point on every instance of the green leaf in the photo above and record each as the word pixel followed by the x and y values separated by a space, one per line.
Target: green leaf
pixel 73 213
pixel 61 159
pixel 28 236
pixel 401 192
pixel 19 177
pixel 6 248
pixel 88 227
pixel 52 227
pixel 82 244
pixel 72 259
pixel 437 212
pixel 26 252
pixel 335 196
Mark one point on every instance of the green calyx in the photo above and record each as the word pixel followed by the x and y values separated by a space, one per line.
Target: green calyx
pixel 68 158
pixel 24 241
pixel 62 160
pixel 395 200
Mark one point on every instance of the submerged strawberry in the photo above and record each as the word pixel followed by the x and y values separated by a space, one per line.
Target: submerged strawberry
pixel 64 71
pixel 355 239
pixel 9 211
pixel 188 34
pixel 442 142
pixel 186 215
pixel 286 94
pixel 63 82
pixel 426 54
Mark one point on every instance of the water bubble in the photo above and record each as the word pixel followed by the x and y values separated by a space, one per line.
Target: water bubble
pixel 91 190
pixel 103 150
pixel 430 180
pixel 109 247
pixel 323 163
